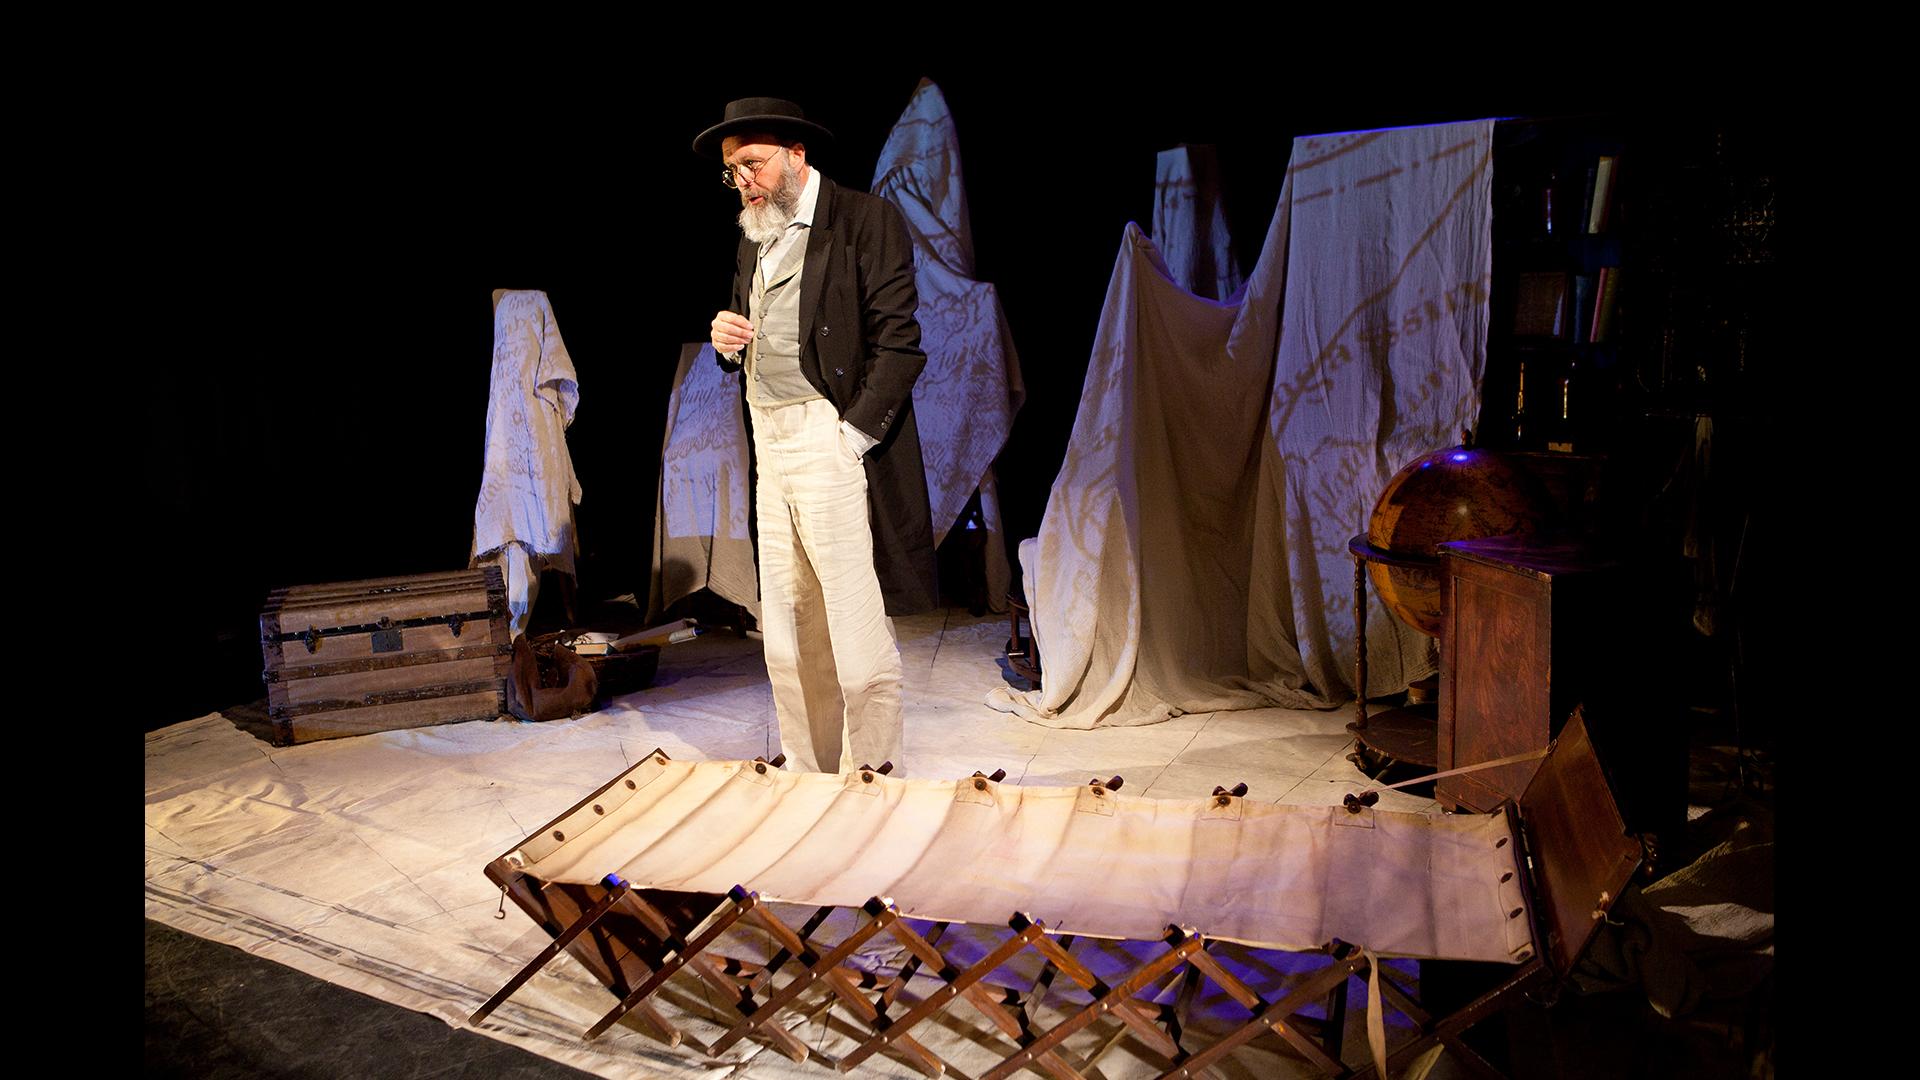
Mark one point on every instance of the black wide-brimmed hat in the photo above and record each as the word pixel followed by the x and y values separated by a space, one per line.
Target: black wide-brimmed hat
pixel 771 115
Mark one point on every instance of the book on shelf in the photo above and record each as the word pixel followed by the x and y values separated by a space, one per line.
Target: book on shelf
pixel 1600 212
pixel 1606 302
pixel 1582 307
pixel 1586 206
pixel 1540 309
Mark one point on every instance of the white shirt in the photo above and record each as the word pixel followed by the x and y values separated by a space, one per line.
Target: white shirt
pixel 773 254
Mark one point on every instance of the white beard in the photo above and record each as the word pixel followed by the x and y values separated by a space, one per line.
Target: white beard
pixel 764 223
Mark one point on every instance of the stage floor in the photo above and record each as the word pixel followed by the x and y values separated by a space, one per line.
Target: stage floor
pixel 358 861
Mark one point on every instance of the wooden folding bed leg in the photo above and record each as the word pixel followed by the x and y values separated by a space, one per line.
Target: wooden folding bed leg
pixel 1014 1027
pixel 1333 1038
pixel 1176 1018
pixel 881 915
pixel 1448 1029
pixel 616 889
pixel 1134 1014
pixel 738 903
pixel 958 983
pixel 784 954
pixel 1041 985
pixel 1392 993
pixel 1115 999
pixel 741 999
pixel 781 957
pixel 1272 1016
pixel 891 993
pixel 1171 1017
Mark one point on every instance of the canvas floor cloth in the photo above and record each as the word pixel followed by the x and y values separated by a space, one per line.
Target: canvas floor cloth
pixel 359 860
pixel 1193 555
pixel 1106 864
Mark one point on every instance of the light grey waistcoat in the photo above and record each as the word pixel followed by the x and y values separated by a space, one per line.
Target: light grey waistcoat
pixel 773 357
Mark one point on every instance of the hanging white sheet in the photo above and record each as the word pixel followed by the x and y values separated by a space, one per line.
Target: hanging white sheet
pixel 1190 224
pixel 965 399
pixel 700 538
pixel 1193 553
pixel 527 488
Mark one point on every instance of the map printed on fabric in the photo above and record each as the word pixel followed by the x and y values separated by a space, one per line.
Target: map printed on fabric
pixel 1190 225
pixel 966 397
pixel 528 488
pixel 700 538
pixel 1193 552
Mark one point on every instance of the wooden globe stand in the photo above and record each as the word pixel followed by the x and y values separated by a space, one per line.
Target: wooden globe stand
pixel 1409 733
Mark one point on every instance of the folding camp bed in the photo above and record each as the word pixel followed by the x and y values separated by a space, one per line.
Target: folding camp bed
pixel 641 880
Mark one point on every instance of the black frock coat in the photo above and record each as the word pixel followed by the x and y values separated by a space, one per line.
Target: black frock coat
pixel 860 348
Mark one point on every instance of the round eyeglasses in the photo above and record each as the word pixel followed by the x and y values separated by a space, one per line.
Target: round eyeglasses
pixel 736 176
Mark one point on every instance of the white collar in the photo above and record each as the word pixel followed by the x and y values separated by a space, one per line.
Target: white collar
pixel 809 196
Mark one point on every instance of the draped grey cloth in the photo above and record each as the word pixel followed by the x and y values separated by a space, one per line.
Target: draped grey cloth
pixel 1193 553
pixel 700 538
pixel 971 388
pixel 1190 224
pixel 527 485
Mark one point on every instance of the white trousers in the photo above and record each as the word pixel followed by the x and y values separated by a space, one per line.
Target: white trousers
pixel 830 649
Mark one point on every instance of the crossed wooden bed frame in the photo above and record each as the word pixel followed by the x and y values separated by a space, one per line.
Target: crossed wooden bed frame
pixel 1573 858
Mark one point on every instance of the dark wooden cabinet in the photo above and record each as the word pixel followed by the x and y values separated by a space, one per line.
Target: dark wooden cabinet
pixel 1527 632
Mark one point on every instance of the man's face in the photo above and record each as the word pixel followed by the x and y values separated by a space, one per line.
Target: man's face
pixel 770 195
pixel 779 167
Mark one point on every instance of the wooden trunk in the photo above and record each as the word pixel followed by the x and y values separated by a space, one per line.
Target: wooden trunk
pixel 364 656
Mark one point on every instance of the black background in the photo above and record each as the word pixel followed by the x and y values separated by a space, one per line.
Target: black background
pixel 323 257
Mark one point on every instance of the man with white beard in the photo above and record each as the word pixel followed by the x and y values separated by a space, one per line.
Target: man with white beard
pixel 822 324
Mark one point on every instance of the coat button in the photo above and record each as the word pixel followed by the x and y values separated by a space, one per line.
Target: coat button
pixel 825 330
pixel 839 371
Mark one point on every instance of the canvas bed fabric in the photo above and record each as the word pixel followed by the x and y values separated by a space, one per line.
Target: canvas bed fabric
pixel 1193 555
pixel 1085 862
pixel 523 518
pixel 700 537
pixel 967 395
